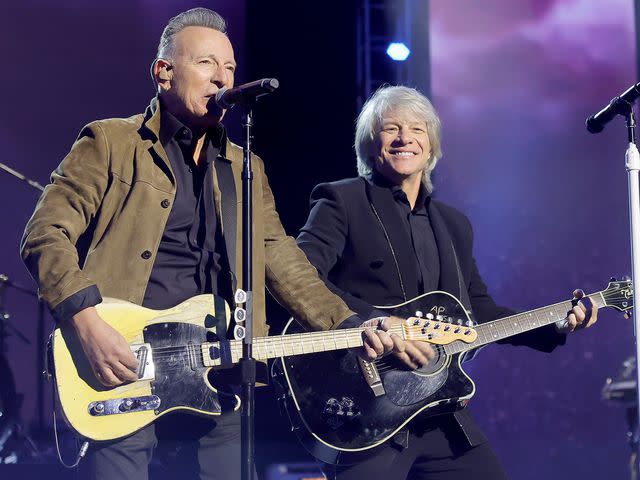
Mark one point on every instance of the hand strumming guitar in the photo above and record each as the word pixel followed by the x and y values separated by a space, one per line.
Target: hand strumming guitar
pixel 109 355
pixel 377 343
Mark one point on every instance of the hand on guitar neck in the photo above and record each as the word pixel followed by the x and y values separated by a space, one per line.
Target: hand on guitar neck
pixel 377 343
pixel 108 353
pixel 583 314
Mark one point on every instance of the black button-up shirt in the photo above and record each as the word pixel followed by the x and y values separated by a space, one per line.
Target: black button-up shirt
pixel 188 261
pixel 418 228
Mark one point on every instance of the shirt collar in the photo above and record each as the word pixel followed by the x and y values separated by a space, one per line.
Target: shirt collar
pixel 398 194
pixel 171 128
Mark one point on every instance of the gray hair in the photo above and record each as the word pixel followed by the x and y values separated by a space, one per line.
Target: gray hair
pixel 370 120
pixel 196 17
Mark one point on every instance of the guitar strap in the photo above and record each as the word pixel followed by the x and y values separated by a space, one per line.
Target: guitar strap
pixel 463 295
pixel 226 184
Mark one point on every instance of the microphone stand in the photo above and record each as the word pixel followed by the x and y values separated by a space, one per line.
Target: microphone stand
pixel 41 311
pixel 247 362
pixel 632 164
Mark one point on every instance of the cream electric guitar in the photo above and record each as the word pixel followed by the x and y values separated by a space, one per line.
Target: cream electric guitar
pixel 176 349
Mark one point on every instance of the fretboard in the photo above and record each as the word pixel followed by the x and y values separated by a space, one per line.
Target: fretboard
pixel 294 344
pixel 522 322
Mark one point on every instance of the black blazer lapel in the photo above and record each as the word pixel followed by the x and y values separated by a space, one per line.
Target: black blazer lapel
pixel 382 200
pixel 449 278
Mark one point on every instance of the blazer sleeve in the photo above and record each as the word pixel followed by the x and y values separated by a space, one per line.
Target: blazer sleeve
pixel 292 280
pixel 323 240
pixel 65 209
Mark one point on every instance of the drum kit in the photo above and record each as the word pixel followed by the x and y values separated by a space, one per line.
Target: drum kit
pixel 15 442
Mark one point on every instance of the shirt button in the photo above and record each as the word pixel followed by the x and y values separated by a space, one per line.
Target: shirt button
pixel 165 203
pixel 146 255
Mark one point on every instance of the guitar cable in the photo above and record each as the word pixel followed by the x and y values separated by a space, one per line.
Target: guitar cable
pixel 54 391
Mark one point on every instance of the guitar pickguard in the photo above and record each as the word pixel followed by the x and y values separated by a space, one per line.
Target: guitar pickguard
pixel 179 371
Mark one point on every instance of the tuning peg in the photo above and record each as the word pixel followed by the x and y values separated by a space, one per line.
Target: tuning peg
pixel 626 278
pixel 459 321
pixel 430 316
pixel 613 279
pixel 419 314
pixel 439 318
pixel 468 323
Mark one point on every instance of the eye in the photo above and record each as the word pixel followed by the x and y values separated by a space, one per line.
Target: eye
pixel 231 68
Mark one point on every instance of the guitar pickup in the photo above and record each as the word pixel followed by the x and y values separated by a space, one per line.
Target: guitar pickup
pixel 146 368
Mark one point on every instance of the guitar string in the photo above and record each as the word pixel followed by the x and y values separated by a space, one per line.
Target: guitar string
pixel 281 342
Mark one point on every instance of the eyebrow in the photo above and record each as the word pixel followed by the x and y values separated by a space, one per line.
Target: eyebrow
pixel 214 57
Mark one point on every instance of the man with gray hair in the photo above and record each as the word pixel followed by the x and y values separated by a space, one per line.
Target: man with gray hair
pixel 380 239
pixel 145 209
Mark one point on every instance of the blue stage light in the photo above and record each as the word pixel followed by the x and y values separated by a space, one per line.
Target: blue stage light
pixel 398 51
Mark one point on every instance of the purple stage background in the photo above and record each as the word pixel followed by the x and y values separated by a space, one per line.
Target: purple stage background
pixel 513 82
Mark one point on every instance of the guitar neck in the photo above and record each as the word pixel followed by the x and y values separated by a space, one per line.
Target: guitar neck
pixel 265 348
pixel 522 322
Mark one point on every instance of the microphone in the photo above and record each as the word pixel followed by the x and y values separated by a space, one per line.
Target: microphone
pixel 618 106
pixel 228 97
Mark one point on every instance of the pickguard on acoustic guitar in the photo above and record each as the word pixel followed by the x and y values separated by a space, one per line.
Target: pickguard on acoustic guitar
pixel 342 408
pixel 177 349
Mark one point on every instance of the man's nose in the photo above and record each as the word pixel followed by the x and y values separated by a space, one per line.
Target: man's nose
pixel 219 77
pixel 404 136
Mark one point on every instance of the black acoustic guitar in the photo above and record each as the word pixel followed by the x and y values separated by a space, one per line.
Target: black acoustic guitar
pixel 342 407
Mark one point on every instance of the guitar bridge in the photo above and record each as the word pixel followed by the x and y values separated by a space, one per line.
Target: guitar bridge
pixel 371 376
pixel 146 368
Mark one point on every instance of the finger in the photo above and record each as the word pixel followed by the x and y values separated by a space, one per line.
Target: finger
pixel 405 359
pixel 578 293
pixel 591 312
pixel 579 313
pixel 426 350
pixel 129 360
pixel 385 339
pixel 373 341
pixel 415 354
pixel 398 344
pixel 123 373
pixel 571 322
pixel 106 377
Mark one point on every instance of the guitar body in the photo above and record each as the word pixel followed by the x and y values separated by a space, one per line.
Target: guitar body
pixel 178 380
pixel 336 412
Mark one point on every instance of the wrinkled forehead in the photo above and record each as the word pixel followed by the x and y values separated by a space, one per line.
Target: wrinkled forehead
pixel 203 41
pixel 401 114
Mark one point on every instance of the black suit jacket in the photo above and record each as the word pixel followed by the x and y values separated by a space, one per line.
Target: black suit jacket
pixel 355 238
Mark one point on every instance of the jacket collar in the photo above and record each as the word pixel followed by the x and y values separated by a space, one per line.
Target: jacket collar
pixel 151 130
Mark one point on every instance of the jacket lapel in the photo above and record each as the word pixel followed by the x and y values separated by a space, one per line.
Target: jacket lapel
pixel 150 139
pixel 382 200
pixel 449 278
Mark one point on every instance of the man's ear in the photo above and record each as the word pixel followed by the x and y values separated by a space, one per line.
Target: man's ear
pixel 162 73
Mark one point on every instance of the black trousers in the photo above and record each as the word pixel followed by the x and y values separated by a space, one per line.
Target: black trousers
pixel 177 446
pixel 428 455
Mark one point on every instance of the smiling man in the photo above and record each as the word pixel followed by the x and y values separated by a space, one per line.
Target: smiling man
pixel 145 209
pixel 381 239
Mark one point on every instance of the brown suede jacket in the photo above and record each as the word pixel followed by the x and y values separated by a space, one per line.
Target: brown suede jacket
pixel 100 221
